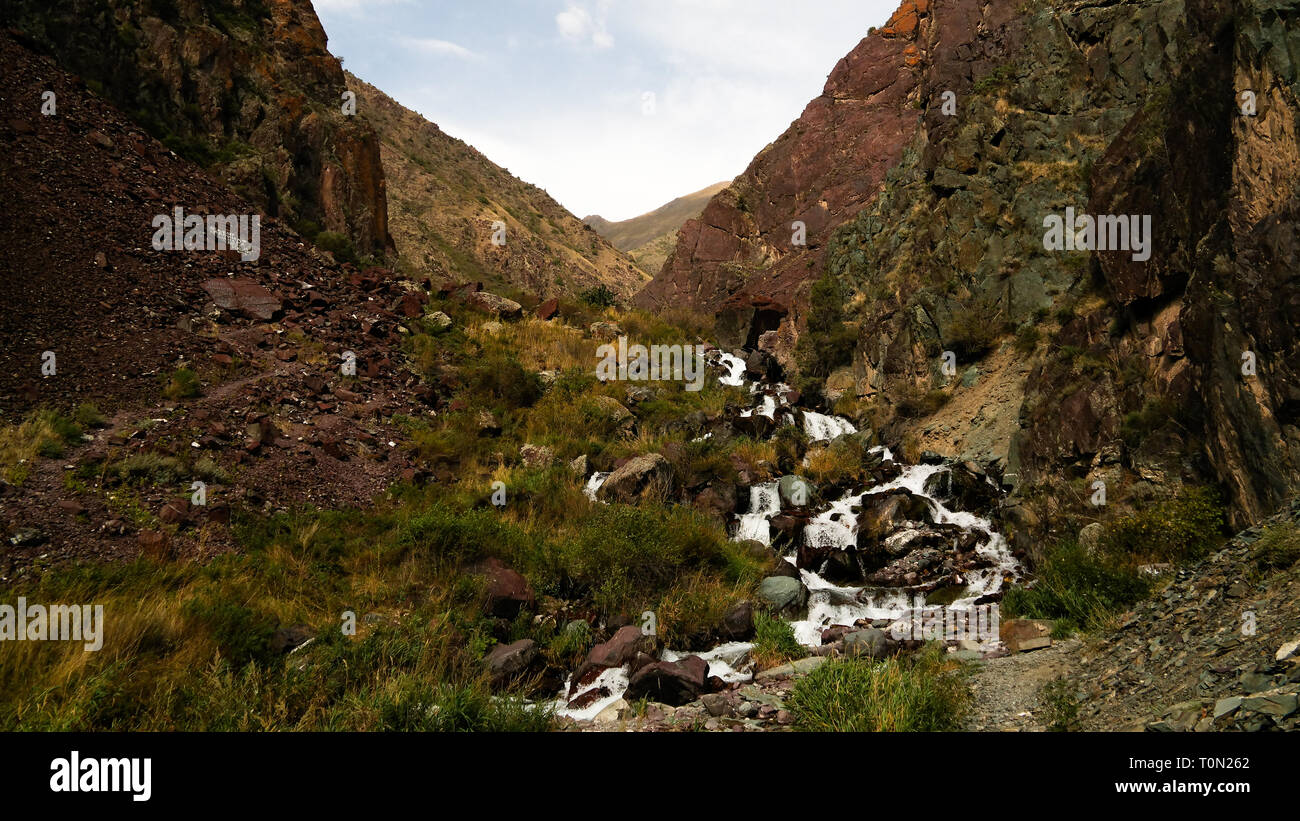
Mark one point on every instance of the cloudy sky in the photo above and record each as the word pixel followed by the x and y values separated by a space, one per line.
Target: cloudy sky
pixel 613 106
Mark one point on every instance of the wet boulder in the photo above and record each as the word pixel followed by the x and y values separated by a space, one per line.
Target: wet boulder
pixel 880 514
pixel 670 682
pixel 783 594
pixel 964 487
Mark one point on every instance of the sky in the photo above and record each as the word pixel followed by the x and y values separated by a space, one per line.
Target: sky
pixel 614 107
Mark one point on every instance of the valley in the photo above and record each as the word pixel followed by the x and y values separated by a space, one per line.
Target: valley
pixel 398 443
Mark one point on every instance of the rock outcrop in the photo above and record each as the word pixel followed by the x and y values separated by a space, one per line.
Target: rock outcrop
pixel 247 88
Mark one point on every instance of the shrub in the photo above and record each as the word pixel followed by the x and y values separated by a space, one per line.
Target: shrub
pixel 972 332
pixel 774 641
pixel 1176 530
pixel 1060 705
pixel 1081 589
pixel 1278 548
pixel 829 342
pixel 340 245
pixel 184 384
pixel 600 296
pixel 924 692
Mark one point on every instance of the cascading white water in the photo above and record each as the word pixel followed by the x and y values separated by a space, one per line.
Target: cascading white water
pixel 821 427
pixel 836 528
pixel 764 503
pixel 593 484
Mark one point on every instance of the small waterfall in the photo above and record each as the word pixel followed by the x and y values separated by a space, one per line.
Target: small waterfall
pixel 593 485
pixel 764 503
pixel 820 427
pixel 735 370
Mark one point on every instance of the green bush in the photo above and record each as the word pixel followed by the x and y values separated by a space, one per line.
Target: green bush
pixel 1278 548
pixel 340 245
pixel 1176 530
pixel 922 693
pixel 1077 588
pixel 1060 705
pixel 774 641
pixel 599 297
pixel 184 384
pixel 829 342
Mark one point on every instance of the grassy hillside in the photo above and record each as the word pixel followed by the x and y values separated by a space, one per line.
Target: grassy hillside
pixel 649 238
pixel 444 196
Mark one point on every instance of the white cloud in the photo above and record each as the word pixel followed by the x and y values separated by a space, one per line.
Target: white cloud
pixel 442 48
pixel 577 25
pixel 352 6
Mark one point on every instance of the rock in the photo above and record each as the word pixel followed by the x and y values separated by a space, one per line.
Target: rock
pixel 548 309
pixel 1020 635
pixel 613 712
pixel 154 544
pixel 28 537
pixel 614 413
pixel 1090 536
pixel 508 660
pixel 649 473
pixel 716 704
pixel 1275 704
pixel 579 466
pixel 243 296
pixel 487 424
pixel 738 622
pixel 782 594
pixel 671 682
pixel 607 331
pixel 287 639
pixel 439 321
pixel 870 643
pixel 1291 649
pixel 493 304
pixel 536 456
pixel 622 647
pixel 795 491
pixel 798 667
pixel 507 592
pixel 963 489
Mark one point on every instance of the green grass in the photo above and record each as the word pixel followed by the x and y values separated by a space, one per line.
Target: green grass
pixel 1085 591
pixel 925 692
pixel 1278 548
pixel 774 641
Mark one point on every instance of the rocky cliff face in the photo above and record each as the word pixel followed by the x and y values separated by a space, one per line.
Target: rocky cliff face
pixel 925 173
pixel 244 87
pixel 740 257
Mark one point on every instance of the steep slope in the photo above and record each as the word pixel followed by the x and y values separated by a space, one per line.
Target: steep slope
pixel 266 411
pixel 650 238
pixel 246 88
pixel 444 197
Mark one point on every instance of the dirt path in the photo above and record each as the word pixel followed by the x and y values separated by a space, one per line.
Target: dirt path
pixel 1006 690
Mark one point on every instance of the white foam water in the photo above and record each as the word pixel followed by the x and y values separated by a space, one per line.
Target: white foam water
pixel 764 503
pixel 593 485
pixel 821 427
